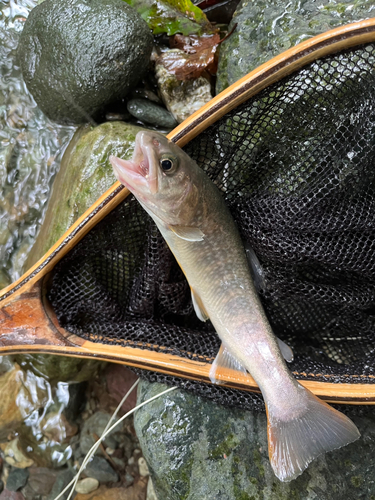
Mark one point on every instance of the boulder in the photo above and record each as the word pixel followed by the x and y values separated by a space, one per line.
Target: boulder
pixel 78 56
pixel 197 449
pixel 85 174
pixel 266 28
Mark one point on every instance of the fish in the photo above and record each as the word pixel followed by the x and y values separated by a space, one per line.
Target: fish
pixel 193 218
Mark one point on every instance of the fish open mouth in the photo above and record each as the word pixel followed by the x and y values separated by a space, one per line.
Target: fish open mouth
pixel 141 170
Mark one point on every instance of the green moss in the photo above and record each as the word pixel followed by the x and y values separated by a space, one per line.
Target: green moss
pixel 356 481
pixel 225 447
pixel 258 462
pixel 242 495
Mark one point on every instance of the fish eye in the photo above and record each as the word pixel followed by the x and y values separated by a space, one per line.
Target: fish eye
pixel 168 164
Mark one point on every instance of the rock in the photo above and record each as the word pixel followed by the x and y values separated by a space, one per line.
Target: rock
pixel 87 485
pixel 11 495
pixel 41 480
pixel 17 479
pixel 59 368
pixel 6 364
pixel 265 29
pixel 119 381
pixel 14 456
pixel 100 469
pixel 94 427
pixel 85 174
pixel 196 449
pixel 63 479
pixel 77 56
pixel 150 112
pixel 182 98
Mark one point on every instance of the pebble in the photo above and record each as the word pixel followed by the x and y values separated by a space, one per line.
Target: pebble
pixel 63 479
pixel 11 495
pixel 17 479
pixel 87 485
pixel 129 479
pixel 41 480
pixel 95 425
pixel 143 468
pixel 100 469
pixel 150 112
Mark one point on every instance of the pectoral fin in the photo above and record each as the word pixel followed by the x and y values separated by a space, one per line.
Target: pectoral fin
pixel 225 361
pixel 188 233
pixel 256 269
pixel 199 309
pixel 286 351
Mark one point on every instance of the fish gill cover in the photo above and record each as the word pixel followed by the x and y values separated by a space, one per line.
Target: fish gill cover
pixel 295 165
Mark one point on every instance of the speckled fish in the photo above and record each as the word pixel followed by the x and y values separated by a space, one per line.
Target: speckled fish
pixel 195 222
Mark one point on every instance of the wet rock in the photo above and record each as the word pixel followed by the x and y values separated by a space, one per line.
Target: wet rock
pixel 94 427
pixel 119 380
pixel 63 479
pixel 100 469
pixel 182 98
pixel 11 495
pixel 60 369
pixel 150 112
pixel 77 56
pixel 87 485
pixel 41 480
pixel 14 455
pixel 6 364
pixel 85 174
pixel 196 449
pixel 17 479
pixel 265 29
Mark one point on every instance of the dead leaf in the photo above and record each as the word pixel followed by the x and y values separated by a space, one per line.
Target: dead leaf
pixel 197 57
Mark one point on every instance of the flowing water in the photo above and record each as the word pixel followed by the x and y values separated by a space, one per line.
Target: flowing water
pixel 31 147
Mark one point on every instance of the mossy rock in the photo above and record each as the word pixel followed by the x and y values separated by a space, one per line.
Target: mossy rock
pixel 85 174
pixel 77 56
pixel 196 450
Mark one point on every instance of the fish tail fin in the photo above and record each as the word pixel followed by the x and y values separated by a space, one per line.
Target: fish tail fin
pixel 314 428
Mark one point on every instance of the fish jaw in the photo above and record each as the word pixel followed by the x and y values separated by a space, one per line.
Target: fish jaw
pixel 140 174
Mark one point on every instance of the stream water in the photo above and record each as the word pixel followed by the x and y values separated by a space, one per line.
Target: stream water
pixel 31 147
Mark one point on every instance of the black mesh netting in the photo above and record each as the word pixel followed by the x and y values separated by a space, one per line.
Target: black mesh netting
pixel 296 167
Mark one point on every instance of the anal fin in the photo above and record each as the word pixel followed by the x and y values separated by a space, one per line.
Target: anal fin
pixel 199 308
pixel 225 362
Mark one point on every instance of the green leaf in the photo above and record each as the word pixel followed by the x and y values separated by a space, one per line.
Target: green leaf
pixel 172 16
